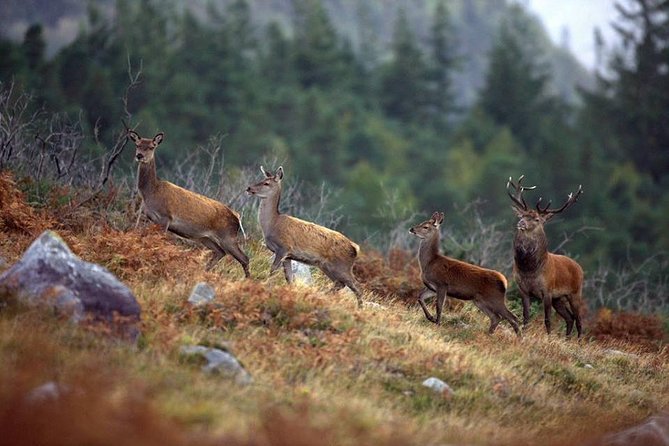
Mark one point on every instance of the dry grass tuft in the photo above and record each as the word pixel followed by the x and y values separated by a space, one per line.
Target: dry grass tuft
pixel 16 216
pixel 643 329
pixel 395 276
pixel 324 371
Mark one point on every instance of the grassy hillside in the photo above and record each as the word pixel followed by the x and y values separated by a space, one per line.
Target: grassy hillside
pixel 324 372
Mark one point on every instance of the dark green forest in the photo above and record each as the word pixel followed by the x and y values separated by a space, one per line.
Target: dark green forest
pixel 384 129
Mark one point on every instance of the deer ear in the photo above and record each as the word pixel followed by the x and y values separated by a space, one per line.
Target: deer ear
pixel 437 218
pixel 264 172
pixel 441 218
pixel 517 211
pixel 279 173
pixel 133 136
pixel 158 138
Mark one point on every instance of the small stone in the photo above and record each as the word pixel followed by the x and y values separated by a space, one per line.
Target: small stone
pixel 219 361
pixel 202 293
pixel 438 386
pixel 301 273
pixel 588 366
pixel 49 391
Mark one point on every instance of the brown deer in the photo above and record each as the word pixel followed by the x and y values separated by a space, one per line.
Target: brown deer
pixel 185 213
pixel 551 278
pixel 449 277
pixel 290 238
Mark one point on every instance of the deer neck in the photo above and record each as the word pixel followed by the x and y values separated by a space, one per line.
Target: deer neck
pixel 268 212
pixel 530 251
pixel 429 249
pixel 147 179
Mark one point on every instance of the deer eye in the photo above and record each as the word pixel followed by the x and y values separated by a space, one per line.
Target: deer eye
pixel 266 183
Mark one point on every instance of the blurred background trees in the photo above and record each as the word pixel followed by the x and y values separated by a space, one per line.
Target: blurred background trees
pixel 400 110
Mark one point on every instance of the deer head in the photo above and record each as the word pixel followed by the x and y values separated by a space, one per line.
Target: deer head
pixel 428 227
pixel 145 147
pixel 532 219
pixel 266 187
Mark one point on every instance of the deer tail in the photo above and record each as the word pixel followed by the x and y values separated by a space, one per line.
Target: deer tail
pixel 241 228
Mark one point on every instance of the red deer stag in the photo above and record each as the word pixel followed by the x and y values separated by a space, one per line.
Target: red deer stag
pixel 290 238
pixel 449 277
pixel 540 274
pixel 185 213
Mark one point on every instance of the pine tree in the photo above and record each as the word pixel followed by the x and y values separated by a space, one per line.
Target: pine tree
pixel 515 90
pixel 634 99
pixel 443 63
pixel 319 59
pixel 404 81
pixel 34 47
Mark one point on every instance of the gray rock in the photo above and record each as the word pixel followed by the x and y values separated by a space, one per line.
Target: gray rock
pixel 301 273
pixel 50 274
pixel 438 386
pixel 653 431
pixel 49 391
pixel 202 293
pixel 219 361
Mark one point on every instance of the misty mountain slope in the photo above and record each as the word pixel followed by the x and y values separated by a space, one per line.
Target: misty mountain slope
pixel 475 26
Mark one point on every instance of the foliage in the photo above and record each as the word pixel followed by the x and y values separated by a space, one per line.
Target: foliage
pixel 322 370
pixel 378 127
pixel 633 327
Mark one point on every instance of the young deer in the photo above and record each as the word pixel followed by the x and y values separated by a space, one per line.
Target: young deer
pixel 185 213
pixel 539 273
pixel 449 277
pixel 290 238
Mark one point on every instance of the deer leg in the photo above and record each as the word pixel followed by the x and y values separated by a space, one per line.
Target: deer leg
pixel 337 286
pixel 511 318
pixel 278 260
pixel 494 317
pixel 164 222
pixel 574 300
pixel 217 253
pixel 547 314
pixel 354 287
pixel 564 312
pixel 288 270
pixel 421 300
pixel 441 298
pixel 526 306
pixel 231 246
pixel 139 214
pixel 343 274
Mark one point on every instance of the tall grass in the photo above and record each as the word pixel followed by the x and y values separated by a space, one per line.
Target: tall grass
pixel 324 372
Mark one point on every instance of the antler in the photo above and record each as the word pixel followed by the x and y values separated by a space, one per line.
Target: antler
pixel 518 199
pixel 571 199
